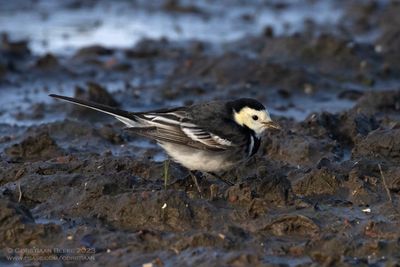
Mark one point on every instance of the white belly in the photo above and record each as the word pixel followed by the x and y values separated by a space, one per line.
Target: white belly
pixel 195 159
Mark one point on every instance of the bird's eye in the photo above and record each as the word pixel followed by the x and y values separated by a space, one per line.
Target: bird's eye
pixel 255 117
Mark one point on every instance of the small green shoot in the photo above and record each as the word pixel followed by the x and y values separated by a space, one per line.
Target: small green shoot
pixel 166 173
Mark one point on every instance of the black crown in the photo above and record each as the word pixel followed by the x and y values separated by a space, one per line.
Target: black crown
pixel 240 103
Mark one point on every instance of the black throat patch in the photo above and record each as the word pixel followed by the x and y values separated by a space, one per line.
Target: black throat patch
pixel 253 144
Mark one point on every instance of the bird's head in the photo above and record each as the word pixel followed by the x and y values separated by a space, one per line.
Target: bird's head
pixel 252 114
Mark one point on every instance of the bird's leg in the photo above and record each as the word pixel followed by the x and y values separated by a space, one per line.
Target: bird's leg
pixel 221 179
pixel 194 177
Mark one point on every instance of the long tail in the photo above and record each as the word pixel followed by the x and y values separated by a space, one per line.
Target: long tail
pixel 127 118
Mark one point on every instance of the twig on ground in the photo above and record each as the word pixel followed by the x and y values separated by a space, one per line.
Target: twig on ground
pixel 384 183
pixel 19 192
pixel 166 173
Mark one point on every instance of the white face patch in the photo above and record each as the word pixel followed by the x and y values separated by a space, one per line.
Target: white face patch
pixel 253 119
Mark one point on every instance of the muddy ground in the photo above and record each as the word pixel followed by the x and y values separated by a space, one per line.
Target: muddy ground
pixel 76 188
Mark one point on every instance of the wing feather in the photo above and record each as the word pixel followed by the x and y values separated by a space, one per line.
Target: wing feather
pixel 169 127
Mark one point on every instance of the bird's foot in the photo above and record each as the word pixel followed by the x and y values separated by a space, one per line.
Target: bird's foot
pixel 229 183
pixel 196 182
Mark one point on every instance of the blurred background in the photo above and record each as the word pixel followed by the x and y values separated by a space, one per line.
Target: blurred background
pixel 327 53
pixel 62 27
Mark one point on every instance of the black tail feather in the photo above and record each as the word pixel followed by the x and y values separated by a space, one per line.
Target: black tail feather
pixel 95 106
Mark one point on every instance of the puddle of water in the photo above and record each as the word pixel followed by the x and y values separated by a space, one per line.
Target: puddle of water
pixel 306 105
pixel 160 157
pixel 141 144
pixel 48 221
pixel 51 27
pixel 20 99
pixel 15 99
pixel 287 261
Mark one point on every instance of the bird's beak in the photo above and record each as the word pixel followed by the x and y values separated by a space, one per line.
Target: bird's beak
pixel 272 125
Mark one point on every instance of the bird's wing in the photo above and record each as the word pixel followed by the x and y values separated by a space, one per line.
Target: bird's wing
pixel 177 127
pixel 165 125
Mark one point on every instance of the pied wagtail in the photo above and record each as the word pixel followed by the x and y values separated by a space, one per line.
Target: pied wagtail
pixel 209 137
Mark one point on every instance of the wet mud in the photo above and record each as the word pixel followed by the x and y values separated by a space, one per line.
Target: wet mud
pixel 322 191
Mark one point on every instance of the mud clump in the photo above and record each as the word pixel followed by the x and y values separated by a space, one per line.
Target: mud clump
pixel 150 210
pixel 48 61
pixel 94 93
pixel 99 94
pixel 328 54
pixel 380 144
pixel 13 49
pixel 233 68
pixel 318 182
pixel 176 6
pixel 92 52
pixel 295 224
pixel 33 148
pixel 344 128
pixel 299 149
pixel 379 103
pixel 19 228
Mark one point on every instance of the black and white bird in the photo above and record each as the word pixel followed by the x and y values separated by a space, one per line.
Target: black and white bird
pixel 210 137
